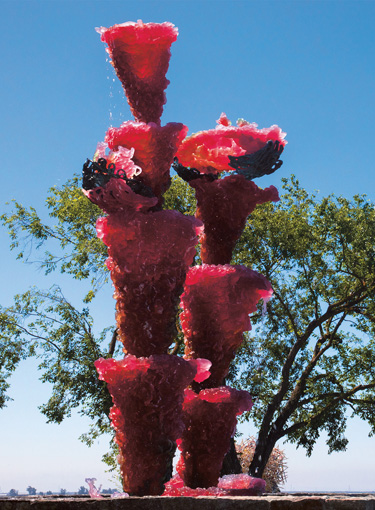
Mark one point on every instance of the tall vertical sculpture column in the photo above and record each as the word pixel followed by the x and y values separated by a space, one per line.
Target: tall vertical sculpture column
pixel 149 254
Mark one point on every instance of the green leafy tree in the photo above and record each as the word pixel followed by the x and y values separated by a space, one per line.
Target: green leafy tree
pixel 308 361
pixel 83 491
pixel 31 490
pixel 12 493
pixel 311 358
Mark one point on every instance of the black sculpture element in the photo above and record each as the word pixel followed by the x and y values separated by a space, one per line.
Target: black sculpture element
pixel 189 174
pixel 265 161
pixel 96 174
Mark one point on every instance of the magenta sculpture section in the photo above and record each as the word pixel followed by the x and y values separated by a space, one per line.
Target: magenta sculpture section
pixel 149 255
pixel 210 421
pixel 161 399
pixel 147 395
pixel 216 304
pixel 223 205
pixel 140 54
pixel 154 148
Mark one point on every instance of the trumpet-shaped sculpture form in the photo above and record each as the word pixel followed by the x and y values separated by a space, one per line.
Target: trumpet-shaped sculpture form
pixel 154 148
pixel 147 394
pixel 149 255
pixel 216 303
pixel 210 421
pixel 223 205
pixel 140 54
pixel 209 151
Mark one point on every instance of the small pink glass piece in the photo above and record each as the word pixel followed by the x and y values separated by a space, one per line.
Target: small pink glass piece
pixel 140 54
pixel 147 394
pixel 122 159
pixel 216 303
pixel 154 148
pixel 149 255
pixel 229 485
pixel 210 421
pixel 208 151
pixel 93 491
pixel 223 205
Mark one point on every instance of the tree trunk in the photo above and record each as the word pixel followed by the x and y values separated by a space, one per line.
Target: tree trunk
pixel 231 464
pixel 265 445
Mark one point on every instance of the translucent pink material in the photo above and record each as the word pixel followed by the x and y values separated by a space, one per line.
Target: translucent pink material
pixel 208 151
pixel 224 205
pixel 242 485
pixel 216 304
pixel 210 421
pixel 117 196
pixel 93 491
pixel 122 159
pixel 147 394
pixel 230 485
pixel 140 54
pixel 149 255
pixel 154 149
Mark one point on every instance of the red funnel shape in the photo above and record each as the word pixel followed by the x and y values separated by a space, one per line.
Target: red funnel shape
pixel 208 151
pixel 149 255
pixel 223 205
pixel 210 421
pixel 147 415
pixel 216 302
pixel 140 54
pixel 154 149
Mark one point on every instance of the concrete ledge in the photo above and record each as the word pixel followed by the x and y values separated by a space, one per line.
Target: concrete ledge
pixel 300 501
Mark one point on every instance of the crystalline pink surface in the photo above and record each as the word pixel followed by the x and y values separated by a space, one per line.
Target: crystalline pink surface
pixel 122 158
pixel 140 54
pixel 216 303
pixel 117 196
pixel 210 421
pixel 147 394
pixel 154 149
pixel 149 255
pixel 208 151
pixel 223 205
pixel 229 485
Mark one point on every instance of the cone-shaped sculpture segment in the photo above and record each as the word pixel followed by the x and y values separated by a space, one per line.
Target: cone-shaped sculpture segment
pixel 140 54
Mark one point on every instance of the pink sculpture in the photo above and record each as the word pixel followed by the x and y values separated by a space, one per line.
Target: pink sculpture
pixel 216 303
pixel 140 54
pixel 210 421
pixel 210 151
pixel 229 485
pixel 147 394
pixel 223 205
pixel 149 254
pixel 154 148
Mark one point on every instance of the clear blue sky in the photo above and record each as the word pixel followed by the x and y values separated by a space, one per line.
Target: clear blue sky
pixel 307 66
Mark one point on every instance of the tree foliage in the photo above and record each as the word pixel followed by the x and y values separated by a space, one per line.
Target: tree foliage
pixel 311 359
pixel 308 361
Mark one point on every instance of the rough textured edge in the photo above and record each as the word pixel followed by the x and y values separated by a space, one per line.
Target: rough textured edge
pixel 268 502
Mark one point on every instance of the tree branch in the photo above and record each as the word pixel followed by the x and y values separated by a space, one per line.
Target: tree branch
pixel 112 345
pixel 332 404
pixel 33 335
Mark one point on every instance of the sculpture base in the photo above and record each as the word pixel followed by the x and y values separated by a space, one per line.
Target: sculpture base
pixel 281 501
